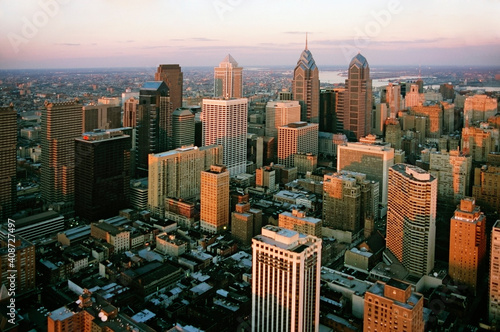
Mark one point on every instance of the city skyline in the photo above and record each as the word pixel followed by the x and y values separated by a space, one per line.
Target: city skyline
pixel 71 34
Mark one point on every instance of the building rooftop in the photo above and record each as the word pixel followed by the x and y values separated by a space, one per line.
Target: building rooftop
pixel 61 314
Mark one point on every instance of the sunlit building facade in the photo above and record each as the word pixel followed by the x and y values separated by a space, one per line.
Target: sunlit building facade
pixel 228 79
pixel 411 217
pixel 296 137
pixel 214 199
pixel 305 86
pixel 285 281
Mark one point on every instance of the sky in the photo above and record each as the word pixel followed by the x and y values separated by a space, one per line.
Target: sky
pixel 145 33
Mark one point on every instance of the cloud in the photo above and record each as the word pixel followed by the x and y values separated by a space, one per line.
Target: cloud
pixel 297 32
pixel 200 39
pixel 67 44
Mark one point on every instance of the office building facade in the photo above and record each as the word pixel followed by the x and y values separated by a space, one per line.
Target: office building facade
pixel 214 199
pixel 8 162
pixel 305 86
pixel 228 79
pixel 296 137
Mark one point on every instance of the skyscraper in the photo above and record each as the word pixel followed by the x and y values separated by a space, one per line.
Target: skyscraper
pixel 411 217
pixel 373 160
pixel 214 199
pixel 61 124
pixel 182 128
pixel 280 113
pixel 328 110
pixel 357 107
pixel 285 281
pixel 467 242
pixel 8 163
pixel 305 86
pixel 101 117
pixel 130 112
pixel 102 174
pixel 177 174
pixel 20 258
pixel 154 122
pixel 393 306
pixel 494 298
pixel 173 78
pixel 296 137
pixel 228 79
pixel 225 123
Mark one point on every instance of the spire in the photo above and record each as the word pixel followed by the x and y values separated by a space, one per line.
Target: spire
pixel 306 40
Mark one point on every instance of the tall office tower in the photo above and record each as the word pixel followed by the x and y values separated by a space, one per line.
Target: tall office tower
pixel 447 91
pixel 348 200
pixel 255 150
pixel 225 123
pixel 173 78
pixel 8 161
pixel 357 107
pixel 102 174
pixel 228 79
pixel 479 108
pixel 411 217
pixel 486 184
pixel 130 112
pixel 494 296
pixel 182 128
pixel 305 86
pixel 101 117
pixel 373 160
pixel 414 97
pixel 393 306
pixel 393 133
pixel 280 113
pixel 381 114
pixel 61 124
pixel 286 281
pixel 20 258
pixel 177 174
pixel 299 222
pixel 391 95
pixel 245 222
pixel 478 143
pixel 453 171
pixel 434 119
pixel 295 138
pixel 328 110
pixel 467 242
pixel 448 117
pixel 154 126
pixel 214 199
pixel 270 148
pixel 339 108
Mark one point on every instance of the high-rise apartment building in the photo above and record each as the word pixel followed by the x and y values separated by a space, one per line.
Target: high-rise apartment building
pixel 285 281
pixel 266 177
pixel 477 142
pixel 305 86
pixel 296 137
pixel 373 160
pixel 154 122
pixel 453 171
pixel 177 174
pixel 102 174
pixel 357 106
pixel 299 222
pixel 246 222
pixel 18 259
pixel 393 306
pixel 8 163
pixel 225 123
pixel 494 290
pixel 61 124
pixel 182 128
pixel 411 217
pixel 391 95
pixel 467 243
pixel 130 112
pixel 228 79
pixel 101 117
pixel 173 77
pixel 486 184
pixel 433 115
pixel 479 108
pixel 393 133
pixel 348 199
pixel 214 199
